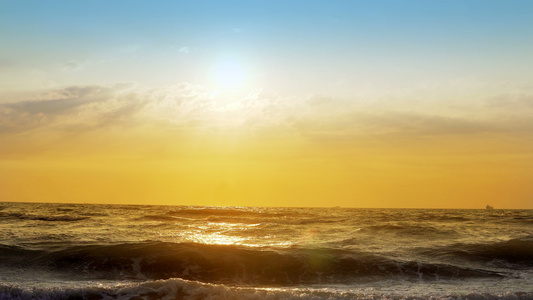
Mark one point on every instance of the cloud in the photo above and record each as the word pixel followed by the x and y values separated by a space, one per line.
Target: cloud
pixel 184 50
pixel 66 99
pixel 407 123
pixel 190 107
pixel 61 107
pixel 72 66
pixel 358 124
pixel 333 119
pixel 514 102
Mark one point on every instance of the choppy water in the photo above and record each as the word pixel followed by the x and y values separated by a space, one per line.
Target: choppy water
pixel 61 251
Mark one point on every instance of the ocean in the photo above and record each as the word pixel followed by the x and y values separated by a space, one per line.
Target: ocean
pixel 89 251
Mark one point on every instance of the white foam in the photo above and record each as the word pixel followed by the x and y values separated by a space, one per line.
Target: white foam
pixel 182 289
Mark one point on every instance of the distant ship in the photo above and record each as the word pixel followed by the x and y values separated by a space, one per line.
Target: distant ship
pixel 489 207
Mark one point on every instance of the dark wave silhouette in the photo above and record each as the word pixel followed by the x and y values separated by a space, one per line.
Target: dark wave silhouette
pixel 231 264
pixel 514 251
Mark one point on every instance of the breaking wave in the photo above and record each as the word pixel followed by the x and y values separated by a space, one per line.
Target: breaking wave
pixel 230 264
pixel 192 290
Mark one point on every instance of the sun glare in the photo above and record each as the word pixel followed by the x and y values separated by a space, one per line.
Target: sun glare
pixel 229 74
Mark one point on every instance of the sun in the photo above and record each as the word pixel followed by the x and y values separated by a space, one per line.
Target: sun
pixel 229 74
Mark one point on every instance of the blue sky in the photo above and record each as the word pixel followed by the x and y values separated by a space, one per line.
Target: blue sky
pixel 350 40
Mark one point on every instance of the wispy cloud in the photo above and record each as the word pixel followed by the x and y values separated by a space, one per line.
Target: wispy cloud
pixel 189 107
pixel 62 101
pixel 56 107
pixel 72 66
pixel 516 102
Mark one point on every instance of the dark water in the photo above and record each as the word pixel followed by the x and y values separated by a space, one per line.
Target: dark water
pixel 71 251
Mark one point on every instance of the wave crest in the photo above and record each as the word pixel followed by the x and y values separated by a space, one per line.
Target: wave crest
pixel 191 290
pixel 235 264
pixel 50 218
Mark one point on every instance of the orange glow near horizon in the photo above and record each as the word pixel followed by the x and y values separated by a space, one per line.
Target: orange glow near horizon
pixel 253 172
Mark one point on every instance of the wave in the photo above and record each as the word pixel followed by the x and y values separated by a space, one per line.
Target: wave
pixel 219 211
pixel 230 264
pixel 160 289
pixel 250 212
pixel 161 218
pixel 240 215
pixel 522 219
pixel 192 290
pixel 51 218
pixel 410 230
pixel 515 251
pixel 65 209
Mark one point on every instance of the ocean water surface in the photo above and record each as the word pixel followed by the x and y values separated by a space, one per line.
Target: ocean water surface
pixel 86 251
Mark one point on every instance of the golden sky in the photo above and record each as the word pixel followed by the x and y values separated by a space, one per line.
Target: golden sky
pixel 419 105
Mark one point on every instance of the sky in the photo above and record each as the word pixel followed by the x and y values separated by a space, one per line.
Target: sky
pixel 393 104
